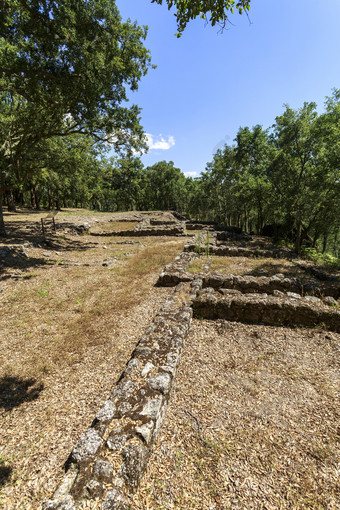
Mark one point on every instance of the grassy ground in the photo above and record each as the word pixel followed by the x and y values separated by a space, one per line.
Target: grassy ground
pixel 247 266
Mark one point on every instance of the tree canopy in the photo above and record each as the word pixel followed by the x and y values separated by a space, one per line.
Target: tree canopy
pixel 215 11
pixel 64 69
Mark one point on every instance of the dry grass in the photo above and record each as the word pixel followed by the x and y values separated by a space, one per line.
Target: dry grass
pixel 68 327
pixel 247 266
pixel 254 422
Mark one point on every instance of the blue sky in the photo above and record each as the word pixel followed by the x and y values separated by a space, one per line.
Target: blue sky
pixel 208 84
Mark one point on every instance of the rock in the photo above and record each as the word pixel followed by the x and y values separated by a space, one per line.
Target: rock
pixel 313 299
pixel 278 293
pixel 132 366
pixel 147 369
pixel 226 292
pixel 124 408
pixel 145 431
pixel 87 446
pixel 328 300
pixel 107 411
pixel 293 295
pixel 161 382
pixel 152 408
pixel 124 389
pixel 103 470
pixel 115 500
pixel 83 227
pixel 116 440
pixel 66 503
pixel 135 459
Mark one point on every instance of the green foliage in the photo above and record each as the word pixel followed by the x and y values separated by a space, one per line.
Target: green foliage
pixel 288 178
pixel 64 70
pixel 325 259
pixel 217 12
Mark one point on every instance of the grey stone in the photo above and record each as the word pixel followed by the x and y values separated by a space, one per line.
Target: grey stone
pixel 93 489
pixel 328 300
pixel 66 503
pixel 115 441
pixel 135 459
pixel 172 359
pixel 133 365
pixel 147 369
pixel 107 411
pixel 103 470
pixel 293 295
pixel 226 292
pixel 152 407
pixel 123 408
pixel 278 293
pixel 87 446
pixel 169 369
pixel 145 431
pixel 115 500
pixel 161 382
pixel 312 299
pixel 143 351
pixel 124 389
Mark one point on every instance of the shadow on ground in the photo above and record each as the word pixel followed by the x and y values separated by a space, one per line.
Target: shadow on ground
pixel 5 474
pixel 14 391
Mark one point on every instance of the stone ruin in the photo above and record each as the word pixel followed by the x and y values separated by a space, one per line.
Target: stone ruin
pixel 109 460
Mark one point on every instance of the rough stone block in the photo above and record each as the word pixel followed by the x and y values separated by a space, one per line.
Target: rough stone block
pixel 87 446
pixel 135 459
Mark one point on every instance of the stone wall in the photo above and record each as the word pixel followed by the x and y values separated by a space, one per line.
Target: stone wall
pixel 110 458
pixel 231 305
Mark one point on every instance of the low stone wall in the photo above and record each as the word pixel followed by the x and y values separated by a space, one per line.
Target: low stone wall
pixel 238 251
pixel 176 231
pixel 263 309
pixel 110 458
pixel 269 284
pixel 176 272
pixel 163 222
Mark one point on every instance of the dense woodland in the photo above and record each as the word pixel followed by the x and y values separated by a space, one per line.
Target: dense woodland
pixel 64 70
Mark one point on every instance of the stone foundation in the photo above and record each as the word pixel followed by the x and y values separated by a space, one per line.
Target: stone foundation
pixel 263 309
pixel 110 458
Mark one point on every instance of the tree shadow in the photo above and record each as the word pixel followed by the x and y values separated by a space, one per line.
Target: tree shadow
pixel 5 474
pixel 14 391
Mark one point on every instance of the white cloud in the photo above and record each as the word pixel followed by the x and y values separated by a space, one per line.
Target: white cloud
pixel 160 142
pixel 190 174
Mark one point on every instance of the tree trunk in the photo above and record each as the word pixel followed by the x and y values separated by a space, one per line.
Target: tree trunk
pixel 50 199
pixel 57 204
pixel 324 242
pixel 22 199
pixel 10 201
pixel 2 224
pixel 32 191
pixel 298 237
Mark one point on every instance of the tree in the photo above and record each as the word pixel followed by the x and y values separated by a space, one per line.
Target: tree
pixel 165 186
pixel 217 11
pixel 64 69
